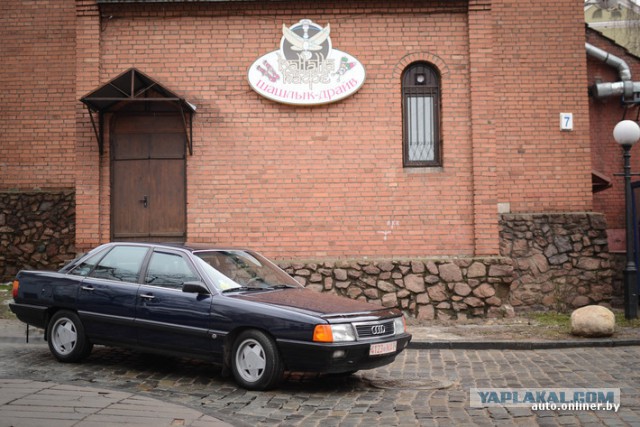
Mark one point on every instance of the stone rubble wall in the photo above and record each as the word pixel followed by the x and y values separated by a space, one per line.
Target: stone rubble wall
pixel 426 289
pixel 561 261
pixel 37 231
pixel 547 262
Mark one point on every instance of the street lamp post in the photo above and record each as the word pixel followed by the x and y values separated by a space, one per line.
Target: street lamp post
pixel 627 133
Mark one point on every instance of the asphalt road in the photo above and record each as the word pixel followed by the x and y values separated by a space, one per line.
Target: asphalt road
pixel 423 387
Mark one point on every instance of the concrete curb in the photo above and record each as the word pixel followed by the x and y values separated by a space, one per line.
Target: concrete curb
pixel 520 345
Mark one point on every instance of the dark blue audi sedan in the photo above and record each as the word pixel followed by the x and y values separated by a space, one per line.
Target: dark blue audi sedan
pixel 228 306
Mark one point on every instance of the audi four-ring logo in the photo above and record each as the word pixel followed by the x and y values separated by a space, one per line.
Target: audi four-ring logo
pixel 378 329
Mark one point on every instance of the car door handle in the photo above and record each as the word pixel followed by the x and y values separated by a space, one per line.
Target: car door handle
pixel 147 296
pixel 88 288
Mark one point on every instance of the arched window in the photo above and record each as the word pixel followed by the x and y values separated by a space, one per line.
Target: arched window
pixel 421 116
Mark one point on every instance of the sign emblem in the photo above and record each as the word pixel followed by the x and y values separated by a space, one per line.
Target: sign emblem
pixel 306 70
pixel 378 330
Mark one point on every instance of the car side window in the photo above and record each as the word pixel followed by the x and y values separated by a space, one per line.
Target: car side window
pixel 122 263
pixel 86 266
pixel 169 270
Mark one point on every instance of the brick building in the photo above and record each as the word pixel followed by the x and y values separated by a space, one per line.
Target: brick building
pixel 604 113
pixel 141 114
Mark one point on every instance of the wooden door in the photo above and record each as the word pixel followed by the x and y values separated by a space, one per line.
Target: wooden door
pixel 148 200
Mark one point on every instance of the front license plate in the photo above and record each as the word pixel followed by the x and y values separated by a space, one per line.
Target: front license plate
pixel 382 348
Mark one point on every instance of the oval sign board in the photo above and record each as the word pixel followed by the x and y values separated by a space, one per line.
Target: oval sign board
pixel 306 70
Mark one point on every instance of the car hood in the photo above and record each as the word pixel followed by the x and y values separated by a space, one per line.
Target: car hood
pixel 319 304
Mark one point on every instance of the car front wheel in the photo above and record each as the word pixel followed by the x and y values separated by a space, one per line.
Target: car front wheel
pixel 255 361
pixel 67 341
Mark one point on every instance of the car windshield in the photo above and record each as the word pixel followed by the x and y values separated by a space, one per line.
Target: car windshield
pixel 231 270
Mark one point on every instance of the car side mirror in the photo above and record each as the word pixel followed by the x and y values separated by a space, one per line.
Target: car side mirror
pixel 195 288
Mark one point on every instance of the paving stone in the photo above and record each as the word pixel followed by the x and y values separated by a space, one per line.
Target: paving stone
pixel 351 402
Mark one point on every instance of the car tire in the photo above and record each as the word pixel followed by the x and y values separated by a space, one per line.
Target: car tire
pixel 255 361
pixel 66 337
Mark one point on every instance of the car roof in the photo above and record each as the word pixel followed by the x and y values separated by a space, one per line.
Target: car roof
pixel 190 247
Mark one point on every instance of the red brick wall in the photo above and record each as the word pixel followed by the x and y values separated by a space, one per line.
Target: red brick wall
pixel 92 206
pixel 483 108
pixel 325 181
pixel 37 103
pixel 541 72
pixel 605 113
pixel 300 182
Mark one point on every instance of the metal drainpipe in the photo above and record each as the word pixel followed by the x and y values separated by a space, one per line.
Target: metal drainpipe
pixel 625 87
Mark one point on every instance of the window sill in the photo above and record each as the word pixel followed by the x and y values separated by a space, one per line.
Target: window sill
pixel 424 170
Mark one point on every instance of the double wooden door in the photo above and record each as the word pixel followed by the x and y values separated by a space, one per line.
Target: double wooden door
pixel 148 197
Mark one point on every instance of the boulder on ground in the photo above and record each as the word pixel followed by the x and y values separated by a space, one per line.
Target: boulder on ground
pixel 593 321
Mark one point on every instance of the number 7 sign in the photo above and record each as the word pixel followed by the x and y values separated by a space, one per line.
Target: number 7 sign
pixel 566 121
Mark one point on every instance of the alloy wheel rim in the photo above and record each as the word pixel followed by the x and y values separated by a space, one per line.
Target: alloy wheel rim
pixel 64 336
pixel 251 360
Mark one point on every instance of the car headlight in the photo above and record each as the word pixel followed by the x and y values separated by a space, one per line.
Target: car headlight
pixel 334 333
pixel 399 325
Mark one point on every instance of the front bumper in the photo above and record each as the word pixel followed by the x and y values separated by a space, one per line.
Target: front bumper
pixel 335 358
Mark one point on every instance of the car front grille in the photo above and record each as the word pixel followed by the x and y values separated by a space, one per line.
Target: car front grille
pixel 374 329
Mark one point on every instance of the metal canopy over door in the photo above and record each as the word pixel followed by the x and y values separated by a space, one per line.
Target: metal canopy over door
pixel 135 89
pixel 148 197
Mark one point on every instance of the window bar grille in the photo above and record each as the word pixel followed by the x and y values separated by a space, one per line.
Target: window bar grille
pixel 420 127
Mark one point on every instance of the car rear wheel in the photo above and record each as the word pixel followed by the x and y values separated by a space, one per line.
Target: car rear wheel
pixel 66 337
pixel 255 361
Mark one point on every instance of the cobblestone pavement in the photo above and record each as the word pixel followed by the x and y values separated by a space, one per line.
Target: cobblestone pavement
pixel 423 387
